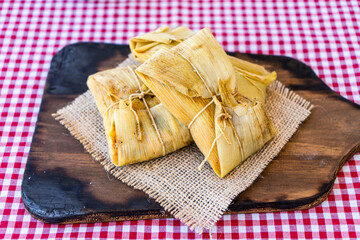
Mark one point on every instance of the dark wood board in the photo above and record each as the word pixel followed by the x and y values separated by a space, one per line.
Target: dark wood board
pixel 63 184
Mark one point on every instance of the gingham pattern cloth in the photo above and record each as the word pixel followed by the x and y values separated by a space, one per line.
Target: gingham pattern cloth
pixel 323 34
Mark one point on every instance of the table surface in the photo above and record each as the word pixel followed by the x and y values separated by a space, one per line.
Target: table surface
pixel 325 35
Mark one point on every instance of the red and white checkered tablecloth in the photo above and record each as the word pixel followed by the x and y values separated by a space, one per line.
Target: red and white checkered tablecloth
pixel 323 34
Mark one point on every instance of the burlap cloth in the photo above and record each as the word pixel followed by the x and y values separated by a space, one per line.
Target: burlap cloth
pixel 198 198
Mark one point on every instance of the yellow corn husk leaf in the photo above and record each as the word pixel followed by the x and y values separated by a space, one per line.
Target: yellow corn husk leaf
pixel 252 124
pixel 110 86
pixel 127 145
pixel 211 63
pixel 251 79
pixel 146 45
pixel 180 77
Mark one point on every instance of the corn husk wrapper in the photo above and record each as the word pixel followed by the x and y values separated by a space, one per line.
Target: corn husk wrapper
pixel 130 132
pixel 196 82
pixel 144 46
pixel 251 79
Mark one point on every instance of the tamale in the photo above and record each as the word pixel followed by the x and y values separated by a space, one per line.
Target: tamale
pixel 251 79
pixel 196 82
pixel 137 126
pixel 143 47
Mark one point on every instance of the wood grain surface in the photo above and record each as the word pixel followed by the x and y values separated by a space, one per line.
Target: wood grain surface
pixel 63 184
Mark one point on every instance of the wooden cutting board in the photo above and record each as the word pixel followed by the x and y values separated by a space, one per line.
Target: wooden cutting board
pixel 63 184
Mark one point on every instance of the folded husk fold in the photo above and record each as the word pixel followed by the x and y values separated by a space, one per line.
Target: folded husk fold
pixel 144 46
pixel 197 82
pixel 137 126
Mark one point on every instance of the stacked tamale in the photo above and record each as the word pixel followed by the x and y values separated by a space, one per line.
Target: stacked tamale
pixel 137 126
pixel 186 78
